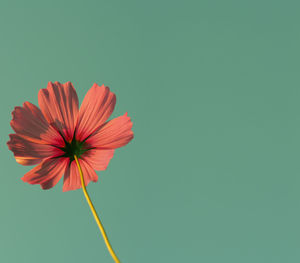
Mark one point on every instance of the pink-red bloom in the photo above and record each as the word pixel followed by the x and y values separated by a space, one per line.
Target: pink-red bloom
pixel 52 135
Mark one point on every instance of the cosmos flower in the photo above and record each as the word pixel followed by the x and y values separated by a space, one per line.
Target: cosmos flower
pixel 62 139
pixel 51 136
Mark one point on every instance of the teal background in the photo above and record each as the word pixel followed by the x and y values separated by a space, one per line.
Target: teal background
pixel 212 87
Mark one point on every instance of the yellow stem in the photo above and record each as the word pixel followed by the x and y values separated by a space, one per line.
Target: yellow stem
pixel 111 251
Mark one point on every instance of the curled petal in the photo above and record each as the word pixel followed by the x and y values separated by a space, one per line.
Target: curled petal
pixel 97 106
pixel 59 104
pixel 113 134
pixel 29 122
pixel 29 153
pixel 72 179
pixel 47 173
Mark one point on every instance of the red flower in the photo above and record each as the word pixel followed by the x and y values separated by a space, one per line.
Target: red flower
pixel 52 135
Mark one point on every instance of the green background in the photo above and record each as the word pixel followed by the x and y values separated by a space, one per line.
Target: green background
pixel 212 87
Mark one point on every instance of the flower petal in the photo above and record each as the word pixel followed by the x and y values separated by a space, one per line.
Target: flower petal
pixel 29 153
pixel 47 173
pixel 113 134
pixel 97 106
pixel 29 122
pixel 59 104
pixel 98 158
pixel 72 179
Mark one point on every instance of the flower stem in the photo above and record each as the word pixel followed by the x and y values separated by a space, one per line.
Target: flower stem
pixel 111 251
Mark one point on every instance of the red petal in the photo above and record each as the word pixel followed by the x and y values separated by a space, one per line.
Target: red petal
pixel 98 158
pixel 113 134
pixel 59 104
pixel 72 179
pixel 29 153
pixel 47 173
pixel 29 122
pixel 97 106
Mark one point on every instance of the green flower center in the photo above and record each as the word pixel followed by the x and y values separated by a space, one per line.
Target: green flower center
pixel 74 148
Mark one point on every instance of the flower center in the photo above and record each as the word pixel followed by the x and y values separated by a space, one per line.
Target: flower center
pixel 74 148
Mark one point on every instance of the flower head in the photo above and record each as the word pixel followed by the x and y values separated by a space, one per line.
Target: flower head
pixel 49 137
